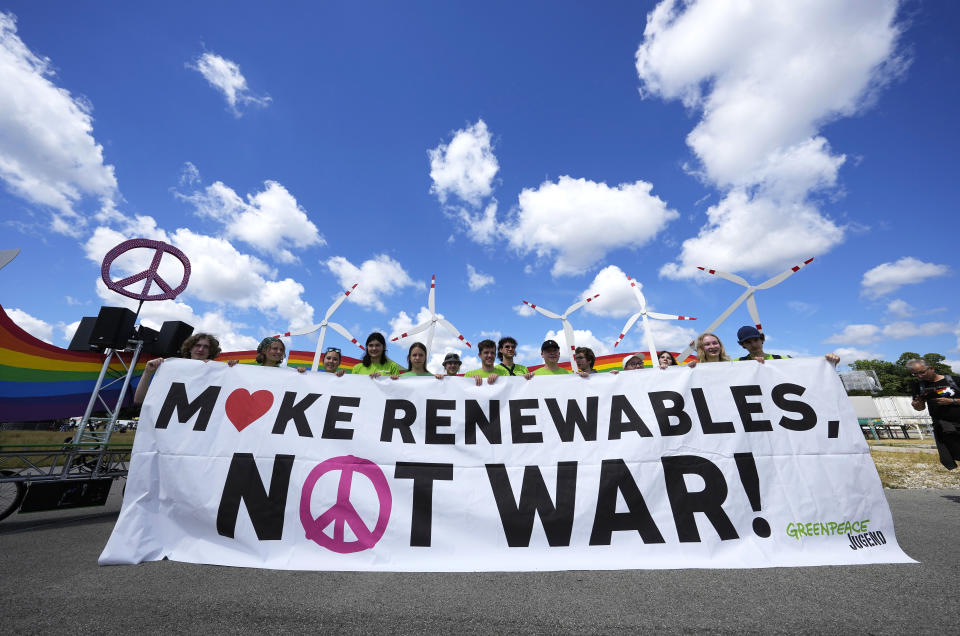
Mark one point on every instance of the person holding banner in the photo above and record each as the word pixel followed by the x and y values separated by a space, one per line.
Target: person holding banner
pixel 375 361
pixel 199 346
pixel 550 352
pixel 633 362
pixel 666 359
pixel 488 354
pixel 451 363
pixel 331 362
pixel 506 349
pixel 584 357
pixel 416 362
pixel 940 395
pixel 752 340
pixel 271 351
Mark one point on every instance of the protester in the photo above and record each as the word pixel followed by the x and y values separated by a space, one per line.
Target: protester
pixel 488 355
pixel 940 394
pixel 416 362
pixel 665 359
pixel 632 362
pixel 331 362
pixel 584 357
pixel 199 346
pixel 451 363
pixel 550 352
pixel 752 340
pixel 506 350
pixel 375 361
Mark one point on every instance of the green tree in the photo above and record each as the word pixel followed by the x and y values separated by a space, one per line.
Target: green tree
pixel 894 377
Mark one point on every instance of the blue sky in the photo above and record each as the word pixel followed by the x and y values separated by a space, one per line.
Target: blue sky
pixel 519 151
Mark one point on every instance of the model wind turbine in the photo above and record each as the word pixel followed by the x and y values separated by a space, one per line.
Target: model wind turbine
pixel 644 314
pixel 431 324
pixel 567 327
pixel 322 326
pixel 747 295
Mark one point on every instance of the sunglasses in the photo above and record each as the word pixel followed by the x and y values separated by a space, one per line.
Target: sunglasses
pixel 329 349
pixel 918 373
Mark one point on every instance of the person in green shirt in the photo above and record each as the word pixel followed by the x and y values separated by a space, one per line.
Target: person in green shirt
pixel 416 362
pixel 375 361
pixel 550 351
pixel 751 339
pixel 506 350
pixel 488 355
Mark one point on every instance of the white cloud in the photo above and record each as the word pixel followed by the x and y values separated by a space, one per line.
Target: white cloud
pixel 582 338
pixel 848 355
pixel 466 166
pixel 900 308
pixel 477 280
pixel 36 327
pixel 762 108
pixel 189 175
pixel 888 277
pixel 616 297
pixel 800 308
pixel 48 154
pixel 550 221
pixel 861 334
pixel 225 76
pixel 745 233
pixel 271 221
pixel 443 342
pixel 377 277
pixel 481 227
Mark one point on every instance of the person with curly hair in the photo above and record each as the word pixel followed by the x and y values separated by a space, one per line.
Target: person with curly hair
pixel 199 346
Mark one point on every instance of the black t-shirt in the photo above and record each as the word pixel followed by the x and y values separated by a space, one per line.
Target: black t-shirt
pixel 945 387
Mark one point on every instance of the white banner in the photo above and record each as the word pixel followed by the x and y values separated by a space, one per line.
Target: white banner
pixel 727 465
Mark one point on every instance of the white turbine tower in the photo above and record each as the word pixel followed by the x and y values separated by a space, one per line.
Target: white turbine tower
pixel 644 314
pixel 431 323
pixel 748 295
pixel 567 327
pixel 322 326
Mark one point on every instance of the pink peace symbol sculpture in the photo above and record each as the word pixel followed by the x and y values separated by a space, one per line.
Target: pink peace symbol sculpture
pixel 150 275
pixel 343 513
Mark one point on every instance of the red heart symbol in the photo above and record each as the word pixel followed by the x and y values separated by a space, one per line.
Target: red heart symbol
pixel 244 409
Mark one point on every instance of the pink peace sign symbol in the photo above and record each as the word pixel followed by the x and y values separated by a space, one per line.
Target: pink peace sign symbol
pixel 343 513
pixel 150 275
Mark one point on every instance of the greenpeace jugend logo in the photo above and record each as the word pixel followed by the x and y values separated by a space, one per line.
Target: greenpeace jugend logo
pixel 825 528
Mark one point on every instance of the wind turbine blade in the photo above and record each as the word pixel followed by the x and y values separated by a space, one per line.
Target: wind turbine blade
pixel 339 301
pixel 302 332
pixel 638 294
pixel 648 339
pixel 319 352
pixel 412 331
pixel 782 276
pixel 449 327
pixel 754 314
pixel 626 329
pixel 545 312
pixel 568 335
pixel 733 278
pixel 8 255
pixel 668 316
pixel 432 298
pixel 729 310
pixel 575 306
pixel 340 329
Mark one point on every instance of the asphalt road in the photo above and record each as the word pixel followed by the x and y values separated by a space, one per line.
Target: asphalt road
pixel 50 583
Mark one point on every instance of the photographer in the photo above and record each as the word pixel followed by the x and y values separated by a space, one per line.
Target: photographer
pixel 941 396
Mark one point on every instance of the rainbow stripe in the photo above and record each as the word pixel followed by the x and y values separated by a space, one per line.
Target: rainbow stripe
pixel 614 361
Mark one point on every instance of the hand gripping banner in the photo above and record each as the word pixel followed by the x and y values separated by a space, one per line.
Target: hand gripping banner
pixel 728 465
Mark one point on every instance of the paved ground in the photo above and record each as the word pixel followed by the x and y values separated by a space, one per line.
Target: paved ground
pixel 50 582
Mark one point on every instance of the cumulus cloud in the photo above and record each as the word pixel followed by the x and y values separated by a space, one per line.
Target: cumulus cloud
pixel 865 334
pixel 616 298
pixel 848 355
pixel 48 155
pixel 550 221
pixel 36 327
pixel 888 277
pixel 861 334
pixel 477 280
pixel 524 310
pixel 377 277
pixel 900 308
pixel 466 166
pixel 225 76
pixel 762 107
pixel 270 221
pixel 444 342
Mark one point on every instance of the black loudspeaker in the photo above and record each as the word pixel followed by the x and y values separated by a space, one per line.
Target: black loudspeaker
pixel 149 338
pixel 172 335
pixel 81 339
pixel 114 327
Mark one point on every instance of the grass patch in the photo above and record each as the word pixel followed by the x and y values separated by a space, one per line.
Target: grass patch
pixel 913 470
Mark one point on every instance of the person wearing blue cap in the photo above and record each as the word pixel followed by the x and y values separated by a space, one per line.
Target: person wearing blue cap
pixel 751 339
